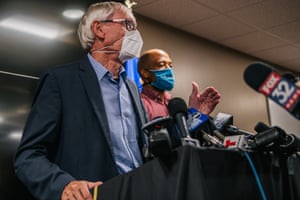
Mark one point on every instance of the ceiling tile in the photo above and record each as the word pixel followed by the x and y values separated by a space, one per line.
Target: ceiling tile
pixel 177 14
pixel 269 13
pixel 227 5
pixel 289 31
pixel 279 54
pixel 255 41
pixel 262 28
pixel 218 28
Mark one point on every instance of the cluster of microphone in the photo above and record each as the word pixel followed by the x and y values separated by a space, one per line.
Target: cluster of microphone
pixel 190 127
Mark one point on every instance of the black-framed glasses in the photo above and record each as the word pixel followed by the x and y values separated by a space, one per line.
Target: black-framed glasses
pixel 129 24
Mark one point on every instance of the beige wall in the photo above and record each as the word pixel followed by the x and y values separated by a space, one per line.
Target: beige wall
pixel 208 64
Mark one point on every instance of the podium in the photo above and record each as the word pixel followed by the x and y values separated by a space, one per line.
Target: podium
pixel 191 173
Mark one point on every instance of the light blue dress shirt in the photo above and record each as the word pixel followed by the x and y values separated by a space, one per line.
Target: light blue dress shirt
pixel 121 117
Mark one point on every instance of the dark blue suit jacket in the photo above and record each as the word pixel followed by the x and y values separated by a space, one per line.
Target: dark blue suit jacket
pixel 66 136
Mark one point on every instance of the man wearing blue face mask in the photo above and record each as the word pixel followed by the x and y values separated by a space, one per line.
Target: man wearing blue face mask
pixel 156 70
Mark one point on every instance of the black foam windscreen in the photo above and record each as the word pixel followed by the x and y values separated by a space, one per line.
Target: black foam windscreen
pixel 177 105
pixel 256 73
pixel 261 127
pixel 290 76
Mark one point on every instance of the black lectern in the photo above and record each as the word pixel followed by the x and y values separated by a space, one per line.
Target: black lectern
pixel 191 173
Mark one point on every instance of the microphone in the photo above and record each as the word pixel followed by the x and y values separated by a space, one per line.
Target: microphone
pixel 234 138
pixel 224 124
pixel 211 139
pixel 200 127
pixel 222 121
pixel 159 142
pixel 275 138
pixel 210 132
pixel 195 120
pixel 178 110
pixel 262 78
pixel 261 127
pixel 291 77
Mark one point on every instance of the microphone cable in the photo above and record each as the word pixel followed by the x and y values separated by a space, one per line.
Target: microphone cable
pixel 259 184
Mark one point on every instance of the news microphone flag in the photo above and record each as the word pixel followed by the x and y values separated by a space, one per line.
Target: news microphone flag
pixel 262 78
pixel 195 119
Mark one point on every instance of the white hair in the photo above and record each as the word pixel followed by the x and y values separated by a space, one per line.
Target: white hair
pixel 97 12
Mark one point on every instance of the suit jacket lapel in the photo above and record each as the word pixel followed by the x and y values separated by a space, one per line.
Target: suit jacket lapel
pixel 137 102
pixel 90 82
pixel 141 115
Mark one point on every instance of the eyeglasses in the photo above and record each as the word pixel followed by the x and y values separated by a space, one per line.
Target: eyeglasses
pixel 129 24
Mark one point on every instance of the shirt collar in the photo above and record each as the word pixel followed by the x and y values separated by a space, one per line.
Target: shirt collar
pixel 153 94
pixel 101 71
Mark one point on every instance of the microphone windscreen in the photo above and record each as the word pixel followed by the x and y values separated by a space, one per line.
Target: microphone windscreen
pixel 222 121
pixel 290 76
pixel 261 127
pixel 256 73
pixel 177 105
pixel 263 79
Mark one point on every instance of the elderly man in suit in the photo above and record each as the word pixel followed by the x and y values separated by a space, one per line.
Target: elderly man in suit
pixel 85 124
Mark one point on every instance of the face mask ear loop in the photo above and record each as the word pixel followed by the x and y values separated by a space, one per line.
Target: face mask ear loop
pixel 103 48
pixel 99 50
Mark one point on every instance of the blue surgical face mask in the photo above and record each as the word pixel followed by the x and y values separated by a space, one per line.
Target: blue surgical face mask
pixel 164 79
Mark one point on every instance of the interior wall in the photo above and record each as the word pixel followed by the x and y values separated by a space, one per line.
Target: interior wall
pixel 280 117
pixel 196 59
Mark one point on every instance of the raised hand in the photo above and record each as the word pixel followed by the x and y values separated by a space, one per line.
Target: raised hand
pixel 206 101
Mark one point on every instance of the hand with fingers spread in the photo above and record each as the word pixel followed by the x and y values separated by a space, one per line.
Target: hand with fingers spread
pixel 206 101
pixel 79 190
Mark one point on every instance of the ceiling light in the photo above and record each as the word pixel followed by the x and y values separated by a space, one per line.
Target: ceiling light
pixel 31 26
pixel 15 135
pixel 73 13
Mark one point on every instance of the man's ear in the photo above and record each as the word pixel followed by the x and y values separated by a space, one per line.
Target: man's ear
pixel 146 75
pixel 97 29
